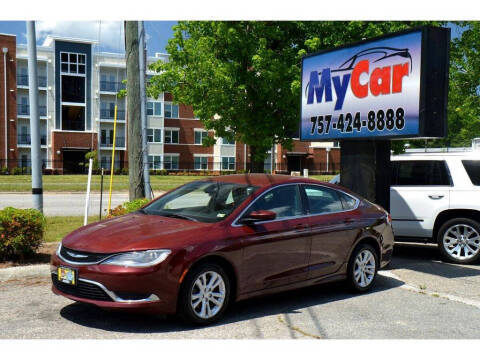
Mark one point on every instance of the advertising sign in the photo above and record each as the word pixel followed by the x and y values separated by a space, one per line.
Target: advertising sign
pixel 380 88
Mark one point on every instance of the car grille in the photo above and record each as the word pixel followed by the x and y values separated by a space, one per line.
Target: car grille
pixel 82 290
pixel 81 257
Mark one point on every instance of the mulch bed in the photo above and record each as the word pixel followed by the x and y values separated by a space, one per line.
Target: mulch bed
pixel 42 256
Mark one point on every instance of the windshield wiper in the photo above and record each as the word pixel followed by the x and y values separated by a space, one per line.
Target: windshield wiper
pixel 178 216
pixel 142 211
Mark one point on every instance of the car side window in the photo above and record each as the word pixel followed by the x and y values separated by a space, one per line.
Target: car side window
pixel 285 201
pixel 420 173
pixel 348 202
pixel 322 200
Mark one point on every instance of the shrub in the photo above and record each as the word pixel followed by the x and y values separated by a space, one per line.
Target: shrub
pixel 4 171
pixel 16 171
pixel 124 171
pixel 94 156
pixel 21 232
pixel 128 207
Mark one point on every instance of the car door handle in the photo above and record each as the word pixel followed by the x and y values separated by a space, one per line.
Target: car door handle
pixel 349 221
pixel 435 197
pixel 301 226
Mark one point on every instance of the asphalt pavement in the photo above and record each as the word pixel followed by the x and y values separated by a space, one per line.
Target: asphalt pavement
pixel 62 204
pixel 418 297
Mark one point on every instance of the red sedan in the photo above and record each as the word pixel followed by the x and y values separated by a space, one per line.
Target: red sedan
pixel 208 243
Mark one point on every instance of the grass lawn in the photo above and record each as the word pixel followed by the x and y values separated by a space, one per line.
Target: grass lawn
pixel 59 226
pixel 59 183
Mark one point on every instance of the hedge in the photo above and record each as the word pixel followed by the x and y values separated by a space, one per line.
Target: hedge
pixel 128 207
pixel 21 232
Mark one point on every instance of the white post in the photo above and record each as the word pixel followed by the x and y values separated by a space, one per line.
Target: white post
pixel 305 173
pixel 90 163
pixel 328 153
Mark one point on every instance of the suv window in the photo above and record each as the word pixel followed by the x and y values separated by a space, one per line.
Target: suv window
pixel 420 172
pixel 473 170
pixel 285 201
pixel 322 200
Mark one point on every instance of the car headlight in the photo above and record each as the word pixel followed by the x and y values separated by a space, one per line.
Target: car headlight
pixel 138 258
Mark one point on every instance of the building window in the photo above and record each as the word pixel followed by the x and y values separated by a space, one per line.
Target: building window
pixel 225 141
pixel 170 162
pixel 155 162
pixel 200 162
pixel 171 136
pixel 154 135
pixel 154 108
pixel 73 91
pixel 171 111
pixel 228 163
pixel 72 63
pixel 199 136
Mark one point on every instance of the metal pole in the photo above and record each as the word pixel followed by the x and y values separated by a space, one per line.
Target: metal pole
pixel 36 158
pixel 112 167
pixel 101 195
pixel 5 51
pixel 87 199
pixel 143 105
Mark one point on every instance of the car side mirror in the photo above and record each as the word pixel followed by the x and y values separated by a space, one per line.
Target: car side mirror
pixel 260 215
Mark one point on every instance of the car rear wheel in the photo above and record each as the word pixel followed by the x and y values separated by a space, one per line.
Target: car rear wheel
pixel 362 268
pixel 459 240
pixel 204 295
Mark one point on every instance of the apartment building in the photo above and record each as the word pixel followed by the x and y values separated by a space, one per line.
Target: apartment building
pixel 77 86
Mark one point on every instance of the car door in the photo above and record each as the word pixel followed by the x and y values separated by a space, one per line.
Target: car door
pixel 420 189
pixel 333 222
pixel 275 252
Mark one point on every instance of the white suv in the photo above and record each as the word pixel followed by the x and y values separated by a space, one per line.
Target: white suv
pixel 436 197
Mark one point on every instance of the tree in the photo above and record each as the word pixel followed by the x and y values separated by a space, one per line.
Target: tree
pixel 243 78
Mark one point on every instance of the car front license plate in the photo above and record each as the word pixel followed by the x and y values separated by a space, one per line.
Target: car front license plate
pixel 67 275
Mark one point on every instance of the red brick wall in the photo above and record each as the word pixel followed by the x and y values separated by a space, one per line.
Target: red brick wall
pixel 10 43
pixel 62 140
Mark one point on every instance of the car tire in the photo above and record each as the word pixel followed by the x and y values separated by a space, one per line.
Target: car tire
pixel 362 268
pixel 459 240
pixel 201 306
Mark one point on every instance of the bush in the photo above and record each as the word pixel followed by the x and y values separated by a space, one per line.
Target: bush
pixel 21 232
pixel 124 171
pixel 16 171
pixel 4 171
pixel 127 207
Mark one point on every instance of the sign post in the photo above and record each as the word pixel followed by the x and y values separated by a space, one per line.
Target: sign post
pixel 365 94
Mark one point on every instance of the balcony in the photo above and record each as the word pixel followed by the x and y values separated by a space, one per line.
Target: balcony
pixel 22 80
pixel 108 114
pixel 111 86
pixel 24 109
pixel 25 139
pixel 107 142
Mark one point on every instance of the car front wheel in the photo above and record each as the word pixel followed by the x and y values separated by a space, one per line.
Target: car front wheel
pixel 205 294
pixel 459 240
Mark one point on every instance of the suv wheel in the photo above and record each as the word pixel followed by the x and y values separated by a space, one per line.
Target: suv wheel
pixel 362 268
pixel 459 240
pixel 204 295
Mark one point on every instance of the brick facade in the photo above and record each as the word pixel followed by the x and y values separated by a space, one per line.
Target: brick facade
pixel 9 42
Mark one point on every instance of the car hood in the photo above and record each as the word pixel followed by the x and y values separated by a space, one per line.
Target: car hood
pixel 134 232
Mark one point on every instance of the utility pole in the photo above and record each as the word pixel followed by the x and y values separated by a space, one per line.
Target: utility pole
pixel 135 156
pixel 36 159
pixel 143 105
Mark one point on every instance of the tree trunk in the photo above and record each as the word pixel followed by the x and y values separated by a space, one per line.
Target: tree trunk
pixel 255 166
pixel 134 143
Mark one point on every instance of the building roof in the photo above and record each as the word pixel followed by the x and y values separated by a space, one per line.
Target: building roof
pixel 51 38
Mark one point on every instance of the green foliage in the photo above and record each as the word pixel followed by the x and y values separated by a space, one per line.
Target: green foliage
pixel 128 207
pixel 243 77
pixel 21 232
pixel 92 155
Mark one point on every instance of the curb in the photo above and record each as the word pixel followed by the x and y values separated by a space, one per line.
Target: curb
pixel 24 272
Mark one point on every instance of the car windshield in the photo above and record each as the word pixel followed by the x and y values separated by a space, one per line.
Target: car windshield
pixel 204 201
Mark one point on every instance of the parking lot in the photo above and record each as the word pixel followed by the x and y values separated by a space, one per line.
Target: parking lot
pixel 419 296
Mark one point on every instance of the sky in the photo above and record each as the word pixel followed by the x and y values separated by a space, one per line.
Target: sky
pixel 108 33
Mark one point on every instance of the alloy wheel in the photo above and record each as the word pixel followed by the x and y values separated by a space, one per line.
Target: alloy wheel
pixel 364 268
pixel 208 294
pixel 461 241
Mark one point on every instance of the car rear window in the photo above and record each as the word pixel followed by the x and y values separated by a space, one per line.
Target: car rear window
pixel 473 170
pixel 420 172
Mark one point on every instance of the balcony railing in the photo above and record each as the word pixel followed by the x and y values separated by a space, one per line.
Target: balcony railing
pixel 22 80
pixel 109 114
pixel 24 109
pixel 120 142
pixel 111 86
pixel 25 139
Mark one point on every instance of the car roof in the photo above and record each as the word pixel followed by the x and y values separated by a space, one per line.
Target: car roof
pixel 262 180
